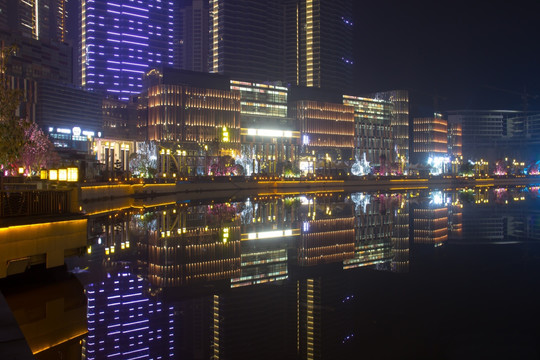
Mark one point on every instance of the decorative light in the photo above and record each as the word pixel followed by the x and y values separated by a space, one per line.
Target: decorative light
pixel 53 175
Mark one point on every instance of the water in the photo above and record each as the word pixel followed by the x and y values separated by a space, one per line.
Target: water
pixel 415 274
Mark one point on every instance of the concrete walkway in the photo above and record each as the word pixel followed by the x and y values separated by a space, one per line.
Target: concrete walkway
pixel 12 343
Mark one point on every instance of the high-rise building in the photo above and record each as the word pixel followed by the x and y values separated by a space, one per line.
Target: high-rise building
pixel 192 44
pixel 372 130
pixel 300 42
pixel 121 40
pixel 38 19
pixel 324 35
pixel 247 39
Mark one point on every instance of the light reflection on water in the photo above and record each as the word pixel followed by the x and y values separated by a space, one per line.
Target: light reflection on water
pixel 314 275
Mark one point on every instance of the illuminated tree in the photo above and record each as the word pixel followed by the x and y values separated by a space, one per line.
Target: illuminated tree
pixel 12 130
pixel 143 163
pixel 38 151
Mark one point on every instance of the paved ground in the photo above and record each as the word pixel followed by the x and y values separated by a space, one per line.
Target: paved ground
pixel 12 343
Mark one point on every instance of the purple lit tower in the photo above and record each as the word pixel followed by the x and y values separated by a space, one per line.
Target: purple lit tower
pixel 122 39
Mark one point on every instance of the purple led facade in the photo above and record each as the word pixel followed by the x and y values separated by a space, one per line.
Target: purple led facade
pixel 121 40
pixel 125 323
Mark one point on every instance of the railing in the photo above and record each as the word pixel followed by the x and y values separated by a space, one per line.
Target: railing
pixel 34 202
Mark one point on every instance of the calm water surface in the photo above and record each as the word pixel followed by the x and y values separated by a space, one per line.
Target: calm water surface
pixel 332 275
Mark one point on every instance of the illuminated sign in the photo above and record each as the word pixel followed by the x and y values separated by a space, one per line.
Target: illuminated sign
pixel 270 234
pixel 77 131
pixel 63 131
pixel 225 135
pixel 270 133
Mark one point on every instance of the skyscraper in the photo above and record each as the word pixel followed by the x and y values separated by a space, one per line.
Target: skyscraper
pixel 192 46
pixel 38 19
pixel 324 34
pixel 247 39
pixel 300 42
pixel 120 40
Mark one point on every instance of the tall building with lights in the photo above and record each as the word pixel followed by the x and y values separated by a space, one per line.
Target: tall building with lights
pixel 246 39
pixel 192 44
pixel 300 42
pixel 121 40
pixel 324 43
pixel 37 19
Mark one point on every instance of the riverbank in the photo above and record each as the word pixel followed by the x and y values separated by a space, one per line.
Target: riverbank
pixel 209 188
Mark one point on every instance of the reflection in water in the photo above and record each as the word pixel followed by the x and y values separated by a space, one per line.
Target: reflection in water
pixel 307 276
pixel 52 317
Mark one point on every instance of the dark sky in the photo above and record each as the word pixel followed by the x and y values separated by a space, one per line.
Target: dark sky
pixel 457 50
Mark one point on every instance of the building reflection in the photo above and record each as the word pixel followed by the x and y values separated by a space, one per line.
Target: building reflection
pixel 52 317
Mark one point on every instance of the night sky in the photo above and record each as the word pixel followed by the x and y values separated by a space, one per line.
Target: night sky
pixel 457 50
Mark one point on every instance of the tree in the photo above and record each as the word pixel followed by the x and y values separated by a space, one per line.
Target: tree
pixel 12 129
pixel 38 151
pixel 144 162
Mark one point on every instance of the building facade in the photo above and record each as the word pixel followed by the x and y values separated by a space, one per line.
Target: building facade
pixel 44 20
pixel 324 33
pixel 327 134
pixel 194 117
pixel 247 39
pixel 120 41
pixel 430 140
pixel 269 139
pixel 400 121
pixel 70 115
pixel 192 45
pixel 373 131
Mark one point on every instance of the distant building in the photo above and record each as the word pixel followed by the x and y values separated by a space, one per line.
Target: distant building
pixel 373 130
pixel 493 135
pixel 120 41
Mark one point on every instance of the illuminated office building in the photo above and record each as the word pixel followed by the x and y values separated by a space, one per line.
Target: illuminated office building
pixel 193 115
pixel 121 40
pixel 373 233
pixel 44 20
pixel 400 121
pixel 324 44
pixel 268 136
pixel 327 133
pixel 372 130
pixel 430 138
